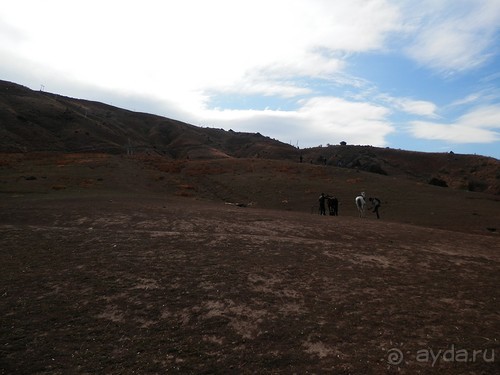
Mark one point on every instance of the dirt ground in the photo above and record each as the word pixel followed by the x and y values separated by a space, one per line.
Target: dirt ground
pixel 135 284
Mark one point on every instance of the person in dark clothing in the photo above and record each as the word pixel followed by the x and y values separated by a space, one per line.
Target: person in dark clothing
pixel 333 206
pixel 375 202
pixel 322 199
pixel 329 203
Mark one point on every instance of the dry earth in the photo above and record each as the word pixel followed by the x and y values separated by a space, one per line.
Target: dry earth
pixel 136 265
pixel 138 284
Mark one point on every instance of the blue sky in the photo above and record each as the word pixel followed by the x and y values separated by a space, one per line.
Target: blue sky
pixel 391 73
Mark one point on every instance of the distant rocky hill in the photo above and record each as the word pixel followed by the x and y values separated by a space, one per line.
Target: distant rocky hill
pixel 465 172
pixel 40 121
pixel 32 121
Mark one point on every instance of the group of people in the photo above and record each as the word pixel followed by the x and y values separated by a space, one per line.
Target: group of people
pixel 333 204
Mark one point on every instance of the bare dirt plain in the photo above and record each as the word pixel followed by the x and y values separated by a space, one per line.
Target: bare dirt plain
pixel 94 282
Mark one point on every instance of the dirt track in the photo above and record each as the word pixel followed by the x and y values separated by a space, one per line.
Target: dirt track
pixel 156 286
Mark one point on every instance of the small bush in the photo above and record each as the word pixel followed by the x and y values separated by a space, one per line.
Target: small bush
pixel 186 187
pixel 438 182
pixel 375 168
pixel 477 185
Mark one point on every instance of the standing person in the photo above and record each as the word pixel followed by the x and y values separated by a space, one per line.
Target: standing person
pixel 375 205
pixel 322 199
pixel 335 206
pixel 329 203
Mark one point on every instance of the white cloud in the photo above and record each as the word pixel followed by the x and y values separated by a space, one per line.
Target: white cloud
pixel 482 117
pixel 471 98
pixel 182 54
pixel 358 122
pixel 418 107
pixel 476 126
pixel 327 119
pixel 410 106
pixel 453 36
pixel 455 133
pixel 489 94
pixel 177 50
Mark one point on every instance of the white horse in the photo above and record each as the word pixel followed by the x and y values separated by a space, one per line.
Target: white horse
pixel 361 204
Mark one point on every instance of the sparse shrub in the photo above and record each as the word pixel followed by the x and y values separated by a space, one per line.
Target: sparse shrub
pixel 169 166
pixel 287 169
pixel 375 168
pixel 183 193
pixel 438 182
pixel 187 187
pixel 87 183
pixel 477 185
pixel 321 159
pixel 353 181
pixel 206 169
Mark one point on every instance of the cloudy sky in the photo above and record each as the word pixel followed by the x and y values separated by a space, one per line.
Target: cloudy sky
pixel 417 75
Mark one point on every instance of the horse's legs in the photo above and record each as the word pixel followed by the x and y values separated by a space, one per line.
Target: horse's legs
pixel 361 210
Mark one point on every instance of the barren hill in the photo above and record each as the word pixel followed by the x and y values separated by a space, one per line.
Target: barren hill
pixel 464 172
pixel 40 121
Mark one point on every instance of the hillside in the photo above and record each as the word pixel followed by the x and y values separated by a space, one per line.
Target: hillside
pixel 464 172
pixel 34 121
pixel 255 183
pixel 40 121
pixel 135 264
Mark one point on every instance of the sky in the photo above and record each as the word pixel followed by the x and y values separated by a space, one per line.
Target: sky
pixel 416 75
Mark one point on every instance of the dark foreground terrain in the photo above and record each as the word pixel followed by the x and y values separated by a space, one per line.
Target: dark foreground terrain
pixel 167 277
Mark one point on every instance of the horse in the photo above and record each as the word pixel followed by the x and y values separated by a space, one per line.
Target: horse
pixel 361 204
